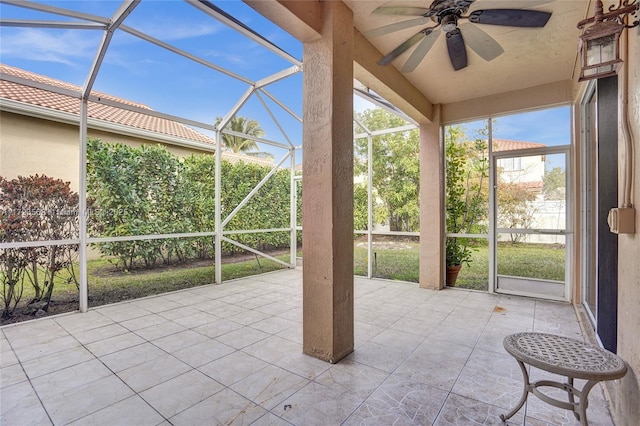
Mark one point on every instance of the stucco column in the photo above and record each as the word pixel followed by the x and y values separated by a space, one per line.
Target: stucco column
pixel 327 187
pixel 431 204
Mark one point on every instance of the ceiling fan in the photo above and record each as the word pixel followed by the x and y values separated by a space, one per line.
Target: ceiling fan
pixel 446 14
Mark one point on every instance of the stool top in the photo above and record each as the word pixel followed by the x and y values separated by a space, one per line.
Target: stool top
pixel 565 356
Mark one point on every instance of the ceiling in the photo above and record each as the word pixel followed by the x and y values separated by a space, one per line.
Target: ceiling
pixel 532 56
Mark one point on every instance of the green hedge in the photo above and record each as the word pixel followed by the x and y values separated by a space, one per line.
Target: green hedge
pixel 148 190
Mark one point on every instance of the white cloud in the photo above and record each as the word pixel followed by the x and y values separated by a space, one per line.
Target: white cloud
pixel 228 58
pixel 62 46
pixel 168 30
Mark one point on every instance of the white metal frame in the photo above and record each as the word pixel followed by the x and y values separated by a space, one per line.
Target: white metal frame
pixel 568 231
pixel 109 26
pixel 258 88
pixel 369 134
pixel 491 235
pixel 585 254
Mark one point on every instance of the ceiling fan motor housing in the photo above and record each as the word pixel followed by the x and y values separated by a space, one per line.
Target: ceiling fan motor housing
pixel 442 8
pixel 449 22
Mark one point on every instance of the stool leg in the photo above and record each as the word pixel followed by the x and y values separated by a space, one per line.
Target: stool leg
pixel 584 401
pixel 525 393
pixel 572 399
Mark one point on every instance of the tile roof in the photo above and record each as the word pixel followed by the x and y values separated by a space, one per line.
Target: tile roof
pixel 112 114
pixel 509 145
pixel 108 113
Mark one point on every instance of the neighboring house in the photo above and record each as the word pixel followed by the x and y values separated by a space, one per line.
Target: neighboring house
pixel 39 127
pixel 526 170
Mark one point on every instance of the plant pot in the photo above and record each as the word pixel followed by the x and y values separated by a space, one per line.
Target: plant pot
pixel 452 274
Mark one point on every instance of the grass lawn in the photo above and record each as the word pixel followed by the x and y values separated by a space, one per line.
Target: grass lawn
pixel 107 284
pixel 391 260
pixel 525 260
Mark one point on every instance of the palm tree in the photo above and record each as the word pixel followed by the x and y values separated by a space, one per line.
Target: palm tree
pixel 239 144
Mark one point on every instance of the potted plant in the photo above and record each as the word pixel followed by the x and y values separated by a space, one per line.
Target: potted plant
pixel 465 196
pixel 457 253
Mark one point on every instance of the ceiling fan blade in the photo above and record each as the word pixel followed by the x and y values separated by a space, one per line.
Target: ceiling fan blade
pixel 401 10
pixel 521 4
pixel 420 51
pixel 387 29
pixel 457 50
pixel 402 48
pixel 510 17
pixel 480 42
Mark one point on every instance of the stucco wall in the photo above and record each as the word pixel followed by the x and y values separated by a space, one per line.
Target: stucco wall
pixel 23 153
pixel 31 145
pixel 626 392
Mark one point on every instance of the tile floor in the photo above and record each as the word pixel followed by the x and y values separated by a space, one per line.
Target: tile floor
pixel 232 354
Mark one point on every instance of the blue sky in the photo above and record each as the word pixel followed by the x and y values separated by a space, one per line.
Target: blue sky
pixel 139 71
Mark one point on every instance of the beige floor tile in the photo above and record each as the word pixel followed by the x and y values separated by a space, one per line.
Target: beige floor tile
pixel 463 336
pixel 67 406
pixel 415 401
pixel 130 357
pixel 294 333
pixel 74 325
pixel 232 368
pixel 413 326
pixel 67 379
pixel 353 378
pixel 130 411
pixel 203 353
pixel 378 356
pixel 272 348
pixel 11 375
pixel 371 415
pixel 376 318
pixel 294 314
pixel 8 357
pixel 270 419
pixel 143 322
pixel 180 340
pixel 273 325
pixel 56 361
pixel 33 333
pixel 181 312
pixel 100 333
pixel 43 349
pixel 274 308
pixel 248 317
pixel 269 386
pixel 435 363
pixel 302 364
pixel 398 339
pixel 461 411
pixel 413 348
pixel 153 372
pixel 120 312
pixel 195 320
pixel 242 337
pixel 316 404
pixel 491 378
pixel 217 328
pixel 492 337
pixel 113 344
pixel 224 408
pixel 160 330
pixel 19 405
pixel 192 388
pixel 365 331
pixel 157 304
